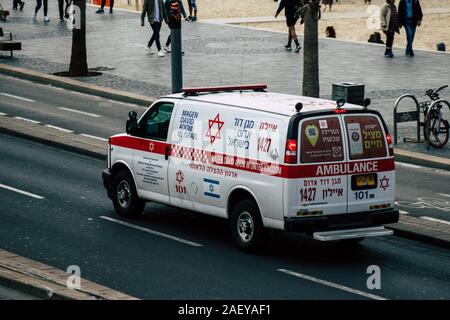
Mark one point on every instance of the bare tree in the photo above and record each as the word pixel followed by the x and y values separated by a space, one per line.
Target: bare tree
pixel 78 60
pixel 310 13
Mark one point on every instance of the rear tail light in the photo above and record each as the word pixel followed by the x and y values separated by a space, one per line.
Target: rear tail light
pixel 390 144
pixel 290 155
pixel 340 111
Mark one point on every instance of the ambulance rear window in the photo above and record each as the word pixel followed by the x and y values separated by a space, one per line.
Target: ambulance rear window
pixel 365 137
pixel 321 140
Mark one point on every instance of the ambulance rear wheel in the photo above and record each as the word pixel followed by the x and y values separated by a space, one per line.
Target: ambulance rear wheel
pixel 124 196
pixel 247 228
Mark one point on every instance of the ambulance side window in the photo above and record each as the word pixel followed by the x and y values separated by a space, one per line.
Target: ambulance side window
pixel 365 137
pixel 321 140
pixel 155 123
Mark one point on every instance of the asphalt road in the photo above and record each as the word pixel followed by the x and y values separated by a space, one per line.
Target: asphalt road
pixel 422 192
pixel 61 221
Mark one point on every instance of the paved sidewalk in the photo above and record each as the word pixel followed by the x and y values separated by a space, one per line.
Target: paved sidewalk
pixel 325 16
pixel 224 54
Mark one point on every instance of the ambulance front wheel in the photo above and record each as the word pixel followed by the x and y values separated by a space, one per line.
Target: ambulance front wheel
pixel 247 228
pixel 124 195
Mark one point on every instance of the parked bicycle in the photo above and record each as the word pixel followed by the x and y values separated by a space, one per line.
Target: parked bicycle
pixel 435 128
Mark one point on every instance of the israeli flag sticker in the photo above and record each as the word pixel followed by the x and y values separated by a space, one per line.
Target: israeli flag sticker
pixel 211 188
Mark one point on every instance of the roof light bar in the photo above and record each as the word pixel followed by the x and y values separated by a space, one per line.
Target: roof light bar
pixel 250 87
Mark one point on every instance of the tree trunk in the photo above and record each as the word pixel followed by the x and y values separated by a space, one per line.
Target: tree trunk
pixel 78 60
pixel 311 15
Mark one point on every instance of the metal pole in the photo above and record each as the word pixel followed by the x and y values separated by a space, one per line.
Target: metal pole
pixel 177 60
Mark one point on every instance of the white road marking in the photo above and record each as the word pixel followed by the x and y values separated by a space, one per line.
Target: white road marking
pixel 93 137
pixel 435 220
pixel 2 114
pixel 81 112
pixel 32 195
pixel 331 284
pixel 58 128
pixel 26 119
pixel 16 97
pixel 156 233
pixel 444 195
pixel 403 212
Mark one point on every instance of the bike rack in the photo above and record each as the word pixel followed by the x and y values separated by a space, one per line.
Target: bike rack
pixel 433 105
pixel 407 116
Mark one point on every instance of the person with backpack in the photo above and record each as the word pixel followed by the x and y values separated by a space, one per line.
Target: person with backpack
pixel 389 24
pixel 156 14
pixel 183 12
pixel 290 8
pixel 410 16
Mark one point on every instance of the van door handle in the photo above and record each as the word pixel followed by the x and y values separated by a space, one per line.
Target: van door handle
pixel 167 151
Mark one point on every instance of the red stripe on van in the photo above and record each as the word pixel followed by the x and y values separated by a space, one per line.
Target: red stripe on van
pixel 252 165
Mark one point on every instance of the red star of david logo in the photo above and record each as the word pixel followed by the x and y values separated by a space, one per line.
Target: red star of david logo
pixel 180 176
pixel 217 124
pixel 384 183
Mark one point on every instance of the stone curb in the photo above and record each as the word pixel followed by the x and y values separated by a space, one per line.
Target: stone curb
pixel 48 283
pixel 75 85
pixel 409 227
pixel 422 159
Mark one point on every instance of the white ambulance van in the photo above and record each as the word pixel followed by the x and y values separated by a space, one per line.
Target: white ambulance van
pixel 262 160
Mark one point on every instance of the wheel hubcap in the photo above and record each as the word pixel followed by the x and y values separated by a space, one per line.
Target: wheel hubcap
pixel 123 194
pixel 245 226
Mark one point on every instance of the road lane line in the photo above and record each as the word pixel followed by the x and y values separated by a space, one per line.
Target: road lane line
pixel 32 195
pixel 156 233
pixel 26 119
pixel 403 212
pixel 444 195
pixel 93 137
pixel 58 128
pixel 331 284
pixel 435 220
pixel 81 112
pixel 16 97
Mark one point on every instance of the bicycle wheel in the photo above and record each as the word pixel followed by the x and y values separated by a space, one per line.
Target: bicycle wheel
pixel 436 137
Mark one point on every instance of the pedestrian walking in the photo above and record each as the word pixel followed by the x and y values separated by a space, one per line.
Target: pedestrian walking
pixel 326 3
pixel 156 14
pixel 102 7
pixel 38 7
pixel 192 8
pixel 18 4
pixel 169 38
pixel 389 24
pixel 410 16
pixel 61 9
pixel 290 8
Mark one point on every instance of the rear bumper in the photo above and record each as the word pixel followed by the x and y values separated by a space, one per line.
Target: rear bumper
pixel 106 177
pixel 341 221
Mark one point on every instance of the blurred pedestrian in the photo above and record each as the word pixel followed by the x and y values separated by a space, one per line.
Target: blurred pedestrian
pixel 369 2
pixel 38 7
pixel 326 3
pixel 192 8
pixel 18 4
pixel 410 16
pixel 102 6
pixel 156 14
pixel 389 24
pixel 290 8
pixel 169 38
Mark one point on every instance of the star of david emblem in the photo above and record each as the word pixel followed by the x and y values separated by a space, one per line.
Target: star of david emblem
pixel 384 183
pixel 214 124
pixel 151 146
pixel 180 176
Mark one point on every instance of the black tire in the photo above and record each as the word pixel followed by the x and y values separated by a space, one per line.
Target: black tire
pixel 445 129
pixel 247 229
pixel 124 195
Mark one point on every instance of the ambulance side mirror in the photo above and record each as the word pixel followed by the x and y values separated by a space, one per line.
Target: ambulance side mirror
pixel 132 125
